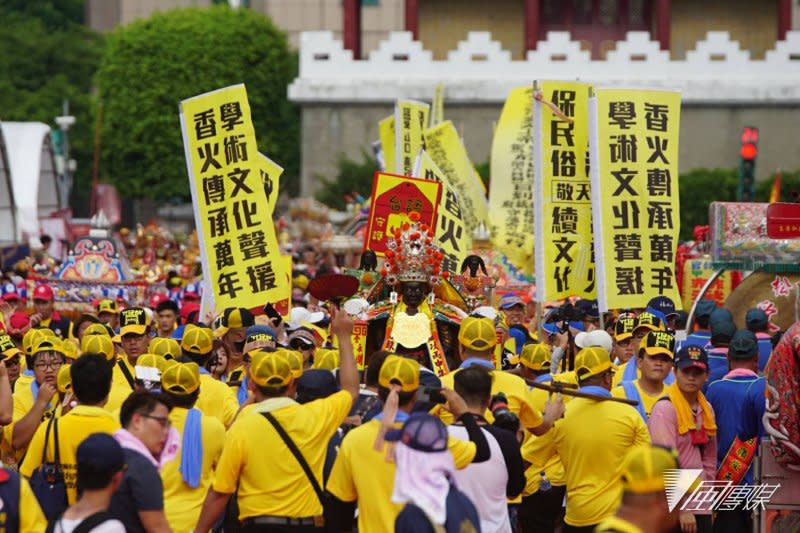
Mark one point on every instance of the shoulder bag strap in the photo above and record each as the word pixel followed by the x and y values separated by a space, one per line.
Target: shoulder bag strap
pixel 47 439
pixel 126 373
pixel 297 455
pixel 92 521
pixel 57 456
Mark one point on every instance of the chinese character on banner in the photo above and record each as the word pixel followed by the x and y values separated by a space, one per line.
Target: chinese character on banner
pixel 393 198
pixel 233 193
pixel 562 208
pixel 410 120
pixel 634 170
pixel 781 286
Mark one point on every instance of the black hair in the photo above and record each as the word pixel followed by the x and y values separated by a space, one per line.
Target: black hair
pixel 30 360
pixel 404 398
pixel 374 367
pixel 702 321
pixel 45 239
pixel 592 380
pixel 189 357
pixel 91 377
pixel 474 384
pixel 186 401
pixel 142 402
pixel 273 392
pixel 167 305
pixel 92 477
pixel 720 339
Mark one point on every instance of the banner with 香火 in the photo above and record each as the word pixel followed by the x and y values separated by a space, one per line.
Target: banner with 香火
pixel 511 186
pixel 562 192
pixel 451 234
pixel 386 136
pixel 633 145
pixel 444 146
pixel 240 253
pixel 410 120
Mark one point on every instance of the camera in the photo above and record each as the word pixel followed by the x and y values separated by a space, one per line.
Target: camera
pixel 503 417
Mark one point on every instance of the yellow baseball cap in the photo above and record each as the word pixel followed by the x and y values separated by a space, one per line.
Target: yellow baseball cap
pixel 64 379
pixel 400 371
pixel 270 369
pixel 197 340
pixel 649 321
pixel 8 347
pixel 658 343
pixel 233 318
pixel 70 349
pixel 49 344
pixel 295 359
pixel 592 362
pixel 99 344
pixel 645 468
pixel 180 379
pixel 165 347
pixel 536 357
pixel 98 329
pixel 152 360
pixel 623 328
pixel 133 320
pixel 326 358
pixel 477 333
pixel 29 340
pixel 107 306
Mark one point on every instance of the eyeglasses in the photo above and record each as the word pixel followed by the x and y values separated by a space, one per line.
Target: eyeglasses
pixel 163 420
pixel 55 365
pixel 12 361
pixel 297 344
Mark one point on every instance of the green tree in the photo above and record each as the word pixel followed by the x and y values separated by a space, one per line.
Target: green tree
pixel 352 177
pixel 48 55
pixel 151 65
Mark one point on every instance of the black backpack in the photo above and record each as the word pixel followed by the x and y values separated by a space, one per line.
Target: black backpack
pixel 88 523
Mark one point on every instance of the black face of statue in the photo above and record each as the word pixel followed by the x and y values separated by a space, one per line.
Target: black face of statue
pixel 414 293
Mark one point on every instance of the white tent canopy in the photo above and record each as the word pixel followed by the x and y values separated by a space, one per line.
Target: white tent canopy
pixel 34 187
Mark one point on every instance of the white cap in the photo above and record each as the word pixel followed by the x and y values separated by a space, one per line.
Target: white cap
pixel 597 338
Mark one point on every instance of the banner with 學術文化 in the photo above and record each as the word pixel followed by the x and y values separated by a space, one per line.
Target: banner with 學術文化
pixel 437 106
pixel 562 192
pixel 444 146
pixel 240 253
pixel 633 145
pixel 511 186
pixel 270 173
pixel 451 234
pixel 386 136
pixel 410 120
pixel 393 199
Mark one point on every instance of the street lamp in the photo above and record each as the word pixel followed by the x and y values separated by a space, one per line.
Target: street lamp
pixel 67 166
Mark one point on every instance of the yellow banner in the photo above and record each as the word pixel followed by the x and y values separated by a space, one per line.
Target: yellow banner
pixel 386 135
pixel 240 253
pixel 445 148
pixel 410 119
pixel 634 166
pixel 511 186
pixel 270 173
pixel 563 203
pixel 437 111
pixel 451 233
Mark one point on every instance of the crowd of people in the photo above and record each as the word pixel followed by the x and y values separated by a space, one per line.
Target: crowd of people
pixel 157 419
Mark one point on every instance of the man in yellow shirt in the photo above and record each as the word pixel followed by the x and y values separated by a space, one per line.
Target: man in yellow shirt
pixel 361 473
pixel 645 323
pixel 644 501
pixel 275 492
pixel 656 352
pixel 216 398
pixel 91 382
pixel 231 329
pixel 189 475
pixel 135 334
pixel 592 441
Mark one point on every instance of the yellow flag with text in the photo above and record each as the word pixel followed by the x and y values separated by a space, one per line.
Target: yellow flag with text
pixel 562 192
pixel 270 173
pixel 437 111
pixel 634 168
pixel 386 136
pixel 240 253
pixel 511 185
pixel 410 119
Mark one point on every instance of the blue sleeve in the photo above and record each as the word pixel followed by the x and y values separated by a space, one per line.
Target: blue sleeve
pixel 750 423
pixel 412 520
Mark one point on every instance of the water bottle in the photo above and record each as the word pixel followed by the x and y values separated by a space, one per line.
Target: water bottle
pixel 544 483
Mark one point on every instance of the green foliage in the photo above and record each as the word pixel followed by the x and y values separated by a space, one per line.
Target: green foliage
pixel 352 176
pixel 151 65
pixel 484 169
pixel 46 56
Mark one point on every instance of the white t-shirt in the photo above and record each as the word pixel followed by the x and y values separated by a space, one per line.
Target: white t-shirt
pixel 65 525
pixel 485 484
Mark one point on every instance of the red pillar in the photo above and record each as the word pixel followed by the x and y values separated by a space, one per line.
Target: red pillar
pixel 352 26
pixel 663 22
pixel 531 24
pixel 412 18
pixel 784 18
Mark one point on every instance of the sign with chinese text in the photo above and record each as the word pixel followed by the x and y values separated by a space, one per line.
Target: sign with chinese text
pixel 231 197
pixel 393 198
pixel 562 192
pixel 452 236
pixel 696 272
pixel 270 173
pixel 386 135
pixel 410 120
pixel 511 186
pixel 633 143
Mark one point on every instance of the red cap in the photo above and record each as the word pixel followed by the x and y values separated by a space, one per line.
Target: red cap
pixel 157 299
pixel 43 292
pixel 19 320
pixel 187 308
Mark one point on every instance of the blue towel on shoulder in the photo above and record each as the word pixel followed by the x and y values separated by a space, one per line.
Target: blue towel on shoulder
pixel 192 449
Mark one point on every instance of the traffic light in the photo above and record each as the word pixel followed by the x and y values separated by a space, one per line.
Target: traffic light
pixel 747 167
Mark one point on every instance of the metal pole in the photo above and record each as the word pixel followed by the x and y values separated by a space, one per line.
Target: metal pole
pixel 709 282
pixel 67 177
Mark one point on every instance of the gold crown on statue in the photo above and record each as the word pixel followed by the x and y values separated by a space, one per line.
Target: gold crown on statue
pixel 412 255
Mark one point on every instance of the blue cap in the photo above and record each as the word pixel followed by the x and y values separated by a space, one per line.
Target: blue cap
pixel 704 308
pixel 692 355
pixel 422 432
pixel 743 345
pixel 577 325
pixel 510 300
pixel 316 383
pixel 756 319
pixel 588 308
pixel 101 452
pixel 520 337
pixel 662 304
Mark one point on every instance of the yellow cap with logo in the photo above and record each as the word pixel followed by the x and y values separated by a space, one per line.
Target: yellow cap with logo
pixel 107 306
pixel 180 379
pixel 165 347
pixel 101 344
pixel 397 370
pixel 649 321
pixel 477 333
pixel 658 343
pixel 326 358
pixel 8 348
pixel 592 362
pixel 270 369
pixel 197 340
pixel 646 467
pixel 133 320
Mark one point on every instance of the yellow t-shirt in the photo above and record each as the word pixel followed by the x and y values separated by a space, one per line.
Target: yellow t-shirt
pixel 73 428
pixel 364 474
pixel 616 525
pixel 647 400
pixel 217 399
pixel 31 517
pixel 270 480
pixel 120 388
pixel 553 468
pixel 182 503
pixel 520 400
pixel 23 402
pixel 592 439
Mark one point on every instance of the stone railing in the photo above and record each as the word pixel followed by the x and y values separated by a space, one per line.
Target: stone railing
pixel 480 71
